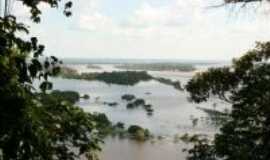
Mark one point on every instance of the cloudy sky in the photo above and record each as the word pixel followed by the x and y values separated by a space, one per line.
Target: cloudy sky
pixel 169 29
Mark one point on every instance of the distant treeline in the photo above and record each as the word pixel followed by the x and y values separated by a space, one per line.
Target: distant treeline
pixel 118 77
pixel 158 67
pixel 93 66
pixel 121 78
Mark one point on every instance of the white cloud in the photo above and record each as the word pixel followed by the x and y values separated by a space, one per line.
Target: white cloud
pixel 94 22
pixel 185 29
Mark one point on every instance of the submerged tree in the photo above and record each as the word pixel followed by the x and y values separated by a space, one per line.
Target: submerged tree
pixel 246 86
pixel 29 127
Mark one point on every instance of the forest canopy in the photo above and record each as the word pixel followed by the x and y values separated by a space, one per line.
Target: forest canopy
pixel 31 128
pixel 244 85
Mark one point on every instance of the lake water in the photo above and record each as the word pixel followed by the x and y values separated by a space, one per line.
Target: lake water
pixel 172 114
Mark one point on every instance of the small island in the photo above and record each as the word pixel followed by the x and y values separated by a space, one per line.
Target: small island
pixel 120 78
pixel 128 97
pixel 133 103
pixel 129 78
pixel 103 125
pixel 175 84
pixel 107 128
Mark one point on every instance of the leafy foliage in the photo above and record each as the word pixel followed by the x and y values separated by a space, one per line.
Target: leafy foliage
pixel 202 149
pixel 138 133
pixel 36 11
pixel 31 129
pixel 69 96
pixel 246 85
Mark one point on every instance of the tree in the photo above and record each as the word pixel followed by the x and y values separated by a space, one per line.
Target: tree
pixel 29 127
pixel 243 2
pixel 246 86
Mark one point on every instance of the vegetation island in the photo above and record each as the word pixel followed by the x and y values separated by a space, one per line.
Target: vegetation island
pixel 103 125
pixel 120 78
pixel 130 78
pixel 134 102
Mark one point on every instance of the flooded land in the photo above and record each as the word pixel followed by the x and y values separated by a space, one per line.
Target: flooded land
pixel 173 115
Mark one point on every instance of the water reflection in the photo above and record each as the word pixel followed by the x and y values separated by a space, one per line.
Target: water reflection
pixel 125 149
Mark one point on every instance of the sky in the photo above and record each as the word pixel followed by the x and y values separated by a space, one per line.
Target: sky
pixel 150 29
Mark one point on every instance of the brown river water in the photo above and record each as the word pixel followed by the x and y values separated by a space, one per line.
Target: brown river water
pixel 172 115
